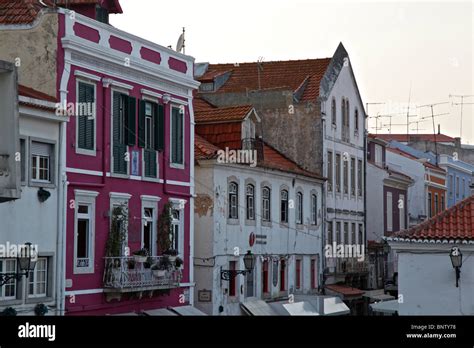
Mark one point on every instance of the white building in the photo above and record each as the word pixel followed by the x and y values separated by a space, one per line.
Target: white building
pixel 344 158
pixel 426 278
pixel 272 209
pixel 36 216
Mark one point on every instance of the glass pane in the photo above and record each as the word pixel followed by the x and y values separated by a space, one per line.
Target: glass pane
pixel 83 209
pixel 82 238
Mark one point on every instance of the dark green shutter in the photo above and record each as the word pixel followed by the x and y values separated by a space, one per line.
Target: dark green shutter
pixel 89 120
pixel 81 124
pixel 141 124
pixel 159 127
pixel 119 149
pixel 85 122
pixel 130 121
pixel 180 137
pixel 174 136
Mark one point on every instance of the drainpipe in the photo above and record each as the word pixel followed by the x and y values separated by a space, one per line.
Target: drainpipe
pixel 324 212
pixel 191 205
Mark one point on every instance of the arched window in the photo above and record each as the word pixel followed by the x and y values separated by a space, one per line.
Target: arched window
pixel 343 112
pixel 250 202
pixel 299 208
pixel 314 209
pixel 233 200
pixel 333 111
pixel 284 206
pixel 266 204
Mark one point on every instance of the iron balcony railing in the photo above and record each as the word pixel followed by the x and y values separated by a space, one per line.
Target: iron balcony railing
pixel 351 265
pixel 125 274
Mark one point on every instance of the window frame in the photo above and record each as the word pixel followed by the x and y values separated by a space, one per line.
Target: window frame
pixel 250 202
pixel 231 205
pixel 299 216
pixel 78 150
pixel 52 164
pixel 314 209
pixel 338 173
pixel 330 170
pixel 268 209
pixel 389 210
pixel 284 206
pixel 298 273
pixel 177 165
pixel 33 276
pixel 16 284
pixel 127 150
pixel 179 205
pixel 334 112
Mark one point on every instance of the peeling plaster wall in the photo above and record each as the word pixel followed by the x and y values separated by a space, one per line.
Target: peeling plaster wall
pixel 36 49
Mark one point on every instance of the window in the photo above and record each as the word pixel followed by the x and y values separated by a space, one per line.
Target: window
pixel 101 14
pixel 284 206
pixel 314 209
pixel 333 111
pixel 361 234
pixel 457 186
pixel 378 155
pixel 150 135
pixel 250 202
pixel 123 126
pixel 450 185
pixel 265 274
pixel 359 178
pixel 299 208
pixel 298 274
pixel 314 275
pixel 38 279
pixel 8 290
pixel 338 233
pixel 356 120
pixel 338 173
pixel 353 234
pixel 177 136
pixel 353 180
pixel 343 114
pixel 266 204
pixel 389 212
pixel 233 201
pixel 346 175
pixel 436 207
pixel 232 281
pixel 401 209
pixel 250 284
pixel 463 188
pixel 86 117
pixel 23 160
pixel 84 232
pixel 41 156
pixel 430 211
pixel 442 202
pixel 330 169
pixel 177 231
pixel 330 237
pixel 346 233
pixel 148 228
pixel 282 275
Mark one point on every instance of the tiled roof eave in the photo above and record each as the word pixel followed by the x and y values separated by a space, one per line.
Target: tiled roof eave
pixel 469 241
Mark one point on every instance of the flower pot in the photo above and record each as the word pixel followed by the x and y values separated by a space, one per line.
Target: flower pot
pixel 159 273
pixel 139 258
pixel 172 258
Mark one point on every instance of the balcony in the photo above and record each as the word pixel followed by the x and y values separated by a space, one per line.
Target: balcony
pixel 351 266
pixel 123 274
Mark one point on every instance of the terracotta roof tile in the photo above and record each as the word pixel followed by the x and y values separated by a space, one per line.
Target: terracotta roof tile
pixel 227 114
pixel 204 149
pixel 440 138
pixel 32 93
pixel 345 290
pixel 114 5
pixel 20 11
pixel 456 222
pixel 201 104
pixel 289 74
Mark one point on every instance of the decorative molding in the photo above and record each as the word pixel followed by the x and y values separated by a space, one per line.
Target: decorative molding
pixel 84 193
pixel 119 195
pixel 150 198
pixel 87 75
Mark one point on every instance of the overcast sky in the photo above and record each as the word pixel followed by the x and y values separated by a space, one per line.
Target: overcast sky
pixel 393 46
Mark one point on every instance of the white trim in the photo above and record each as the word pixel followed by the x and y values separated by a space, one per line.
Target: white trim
pixel 32 112
pixel 148 93
pixel 84 193
pixel 38 102
pixel 153 205
pixel 110 82
pixel 177 203
pixel 84 171
pixel 178 183
pixel 87 76
pixel 119 195
pixel 84 292
pixel 150 198
pixel 179 101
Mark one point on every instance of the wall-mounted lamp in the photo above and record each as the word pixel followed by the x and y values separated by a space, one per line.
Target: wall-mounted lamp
pixel 456 260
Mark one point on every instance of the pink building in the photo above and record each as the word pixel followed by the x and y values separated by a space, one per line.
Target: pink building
pixel 127 154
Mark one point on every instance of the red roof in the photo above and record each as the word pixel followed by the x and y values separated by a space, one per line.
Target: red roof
pixel 201 104
pixel 456 222
pixel 440 138
pixel 226 114
pixel 221 134
pixel 291 74
pixel 112 5
pixel 345 290
pixel 204 149
pixel 32 93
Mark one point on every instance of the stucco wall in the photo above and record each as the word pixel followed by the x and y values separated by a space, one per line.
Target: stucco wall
pixel 36 48
pixel 375 210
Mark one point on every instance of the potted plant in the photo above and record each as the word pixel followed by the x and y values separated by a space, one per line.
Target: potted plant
pixel 131 264
pixel 172 254
pixel 157 271
pixel 178 262
pixel 140 255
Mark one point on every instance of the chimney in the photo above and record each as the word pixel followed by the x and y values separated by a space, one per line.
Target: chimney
pixel 457 142
pixel 439 128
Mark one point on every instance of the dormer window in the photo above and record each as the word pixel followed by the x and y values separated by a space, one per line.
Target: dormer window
pixel 206 87
pixel 102 14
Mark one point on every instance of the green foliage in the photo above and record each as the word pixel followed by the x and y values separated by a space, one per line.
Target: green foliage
pixel 9 312
pixel 41 309
pixel 118 230
pixel 164 229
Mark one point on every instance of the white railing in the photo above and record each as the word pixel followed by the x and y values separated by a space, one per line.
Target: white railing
pixel 124 273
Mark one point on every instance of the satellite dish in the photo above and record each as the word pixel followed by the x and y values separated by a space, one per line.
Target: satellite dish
pixel 180 44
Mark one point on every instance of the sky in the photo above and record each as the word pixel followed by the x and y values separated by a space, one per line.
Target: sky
pixel 417 51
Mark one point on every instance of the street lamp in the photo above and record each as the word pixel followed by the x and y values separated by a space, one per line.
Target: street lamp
pixel 456 260
pixel 25 264
pixel 249 261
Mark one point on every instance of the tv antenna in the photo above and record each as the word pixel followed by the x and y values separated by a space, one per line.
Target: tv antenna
pixel 462 103
pixel 259 68
pixel 181 44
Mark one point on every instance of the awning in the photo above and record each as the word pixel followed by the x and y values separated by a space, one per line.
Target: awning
pixel 186 311
pixel 257 307
pixel 389 307
pixel 347 292
pixel 159 312
pixel 313 305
